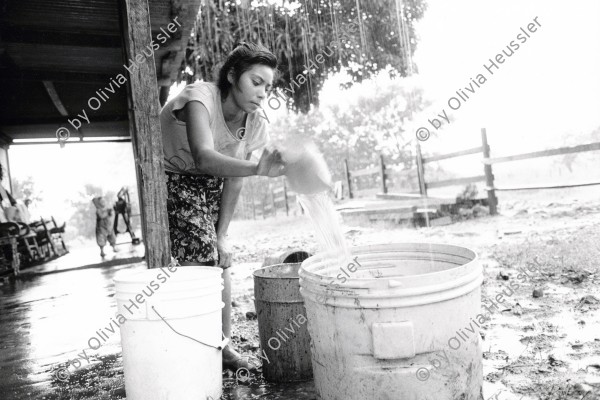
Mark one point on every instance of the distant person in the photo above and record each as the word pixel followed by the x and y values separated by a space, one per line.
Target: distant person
pixel 104 225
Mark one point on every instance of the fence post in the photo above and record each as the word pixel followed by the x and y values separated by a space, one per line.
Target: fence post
pixel 272 199
pixel 489 176
pixel 252 199
pixel 287 208
pixel 382 169
pixel 348 180
pixel 421 172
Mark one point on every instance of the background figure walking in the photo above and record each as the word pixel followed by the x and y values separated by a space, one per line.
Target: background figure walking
pixel 104 225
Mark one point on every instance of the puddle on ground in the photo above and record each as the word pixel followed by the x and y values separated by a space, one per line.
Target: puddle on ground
pixel 259 389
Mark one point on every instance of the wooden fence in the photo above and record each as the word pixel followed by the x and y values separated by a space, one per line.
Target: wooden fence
pixel 265 197
pixel 383 172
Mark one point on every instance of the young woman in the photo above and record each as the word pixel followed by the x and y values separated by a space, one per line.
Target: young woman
pixel 210 131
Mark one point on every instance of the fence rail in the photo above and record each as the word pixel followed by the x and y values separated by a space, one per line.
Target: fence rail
pixel 266 200
pixel 487 177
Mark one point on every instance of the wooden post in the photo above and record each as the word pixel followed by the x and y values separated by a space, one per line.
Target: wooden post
pixel 252 198
pixel 285 197
pixel 272 199
pixel 382 172
pixel 421 172
pixel 489 176
pixel 164 95
pixel 348 179
pixel 7 174
pixel 144 128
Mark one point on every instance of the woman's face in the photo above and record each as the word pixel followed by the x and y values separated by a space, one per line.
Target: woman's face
pixel 253 87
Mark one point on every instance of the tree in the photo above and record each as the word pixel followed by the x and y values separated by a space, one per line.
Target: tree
pixel 371 122
pixel 296 32
pixel 26 190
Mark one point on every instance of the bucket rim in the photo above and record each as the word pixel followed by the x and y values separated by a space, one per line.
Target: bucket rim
pixel 385 247
pixel 298 264
pixel 310 277
pixel 141 276
pixel 397 288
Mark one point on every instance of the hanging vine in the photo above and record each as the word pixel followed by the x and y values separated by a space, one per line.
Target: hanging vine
pixel 296 32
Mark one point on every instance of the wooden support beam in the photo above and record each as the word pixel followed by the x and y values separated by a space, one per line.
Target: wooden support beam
pixel 186 12
pixel 144 108
pixel 164 94
pixel 11 74
pixel 21 122
pixel 55 98
pixel 70 142
pixel 19 34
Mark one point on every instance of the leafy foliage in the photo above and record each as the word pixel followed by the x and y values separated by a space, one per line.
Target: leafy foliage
pixel 296 32
pixel 26 190
pixel 370 123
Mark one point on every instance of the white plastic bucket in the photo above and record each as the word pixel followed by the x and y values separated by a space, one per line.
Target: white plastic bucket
pixel 178 356
pixel 378 333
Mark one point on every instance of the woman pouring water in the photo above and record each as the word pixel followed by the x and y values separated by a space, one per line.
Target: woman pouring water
pixel 210 131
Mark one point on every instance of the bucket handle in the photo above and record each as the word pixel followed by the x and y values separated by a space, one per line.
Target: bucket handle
pixel 223 343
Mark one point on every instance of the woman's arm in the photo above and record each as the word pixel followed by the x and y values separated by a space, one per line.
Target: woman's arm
pixel 211 162
pixel 229 198
pixel 201 143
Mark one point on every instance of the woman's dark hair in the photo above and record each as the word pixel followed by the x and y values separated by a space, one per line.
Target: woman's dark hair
pixel 241 59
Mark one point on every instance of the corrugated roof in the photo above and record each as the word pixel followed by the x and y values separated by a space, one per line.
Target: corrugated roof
pixel 76 45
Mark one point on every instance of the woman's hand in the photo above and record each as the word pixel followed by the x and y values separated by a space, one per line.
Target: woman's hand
pixel 225 253
pixel 270 164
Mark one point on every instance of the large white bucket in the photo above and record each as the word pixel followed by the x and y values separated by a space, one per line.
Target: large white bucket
pixel 178 356
pixel 386 330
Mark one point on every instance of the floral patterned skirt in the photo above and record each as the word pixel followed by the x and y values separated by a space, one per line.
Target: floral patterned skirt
pixel 193 210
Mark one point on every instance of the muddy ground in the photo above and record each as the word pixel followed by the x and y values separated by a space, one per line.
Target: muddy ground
pixel 542 343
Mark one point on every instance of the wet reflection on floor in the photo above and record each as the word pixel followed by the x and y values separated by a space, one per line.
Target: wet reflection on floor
pixel 46 322
pixel 259 389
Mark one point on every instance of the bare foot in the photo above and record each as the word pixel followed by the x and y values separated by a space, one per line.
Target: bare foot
pixel 234 361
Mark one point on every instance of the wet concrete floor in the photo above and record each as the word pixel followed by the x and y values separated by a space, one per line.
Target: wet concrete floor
pixel 47 323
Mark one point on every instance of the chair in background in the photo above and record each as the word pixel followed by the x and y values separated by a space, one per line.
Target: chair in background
pixel 44 240
pixel 27 245
pixel 49 237
pixel 56 233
